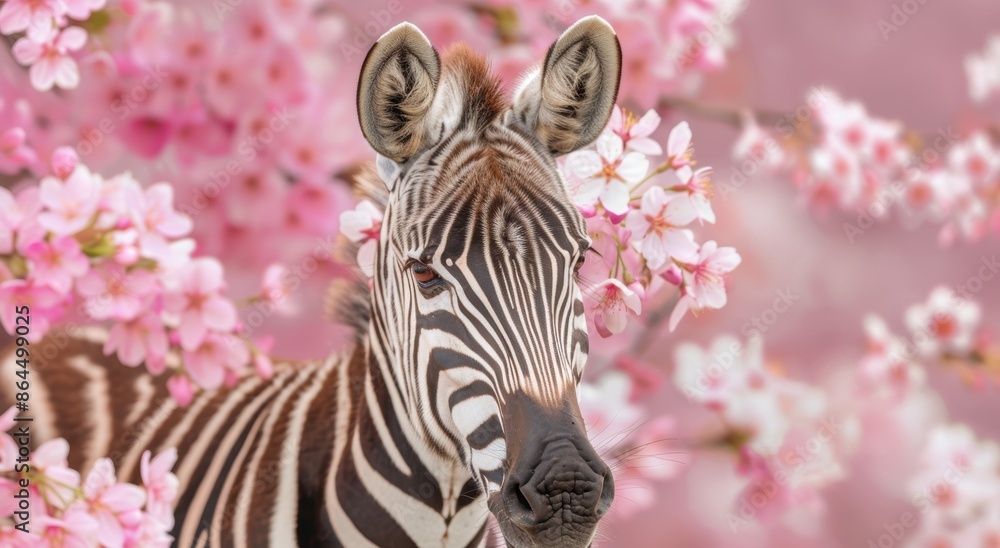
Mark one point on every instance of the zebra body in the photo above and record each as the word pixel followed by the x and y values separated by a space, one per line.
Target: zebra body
pixel 459 399
pixel 264 463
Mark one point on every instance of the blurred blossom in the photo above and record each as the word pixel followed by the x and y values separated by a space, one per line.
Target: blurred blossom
pixel 100 510
pixel 888 369
pixel 983 70
pixel 957 488
pixel 14 151
pixel 945 323
pixel 755 404
pixel 848 160
pixel 787 442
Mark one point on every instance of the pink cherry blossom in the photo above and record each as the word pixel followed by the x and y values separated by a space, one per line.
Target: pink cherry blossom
pixel 193 296
pixel 277 285
pixel 983 70
pixel 49 459
pixel 208 363
pixel 142 338
pixel 74 529
pixel 7 206
pixel 40 299
pixel 151 533
pixel 945 323
pixel 251 201
pixel 81 9
pixel 730 378
pixel 630 444
pixel 112 292
pixel 147 136
pixel 70 204
pixel 696 192
pixel 679 150
pixel 50 60
pixel 153 211
pixel 704 285
pixel 161 484
pixel 180 389
pixel 646 379
pixel 263 365
pixel 837 173
pixel 33 16
pixel 15 153
pixel 606 407
pixel 656 225
pixel 757 145
pixel 56 263
pixel 888 369
pixel 635 132
pixel 19 225
pixel 63 162
pixel 975 159
pixel 362 225
pixel 117 506
pixel 608 173
pixel 958 476
pixel 615 301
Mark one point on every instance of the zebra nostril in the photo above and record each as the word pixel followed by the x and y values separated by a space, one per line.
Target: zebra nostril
pixel 518 507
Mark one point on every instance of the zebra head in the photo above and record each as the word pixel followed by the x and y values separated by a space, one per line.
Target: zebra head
pixel 477 318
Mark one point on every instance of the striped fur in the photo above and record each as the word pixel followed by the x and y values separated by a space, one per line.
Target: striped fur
pixel 456 392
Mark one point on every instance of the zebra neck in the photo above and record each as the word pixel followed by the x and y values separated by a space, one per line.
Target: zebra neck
pixel 409 487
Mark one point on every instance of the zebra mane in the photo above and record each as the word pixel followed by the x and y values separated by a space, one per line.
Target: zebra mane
pixel 483 100
pixel 348 300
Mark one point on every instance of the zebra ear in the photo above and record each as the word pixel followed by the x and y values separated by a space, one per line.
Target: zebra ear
pixel 398 81
pixel 568 100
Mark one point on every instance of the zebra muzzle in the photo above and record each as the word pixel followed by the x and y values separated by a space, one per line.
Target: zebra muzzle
pixel 557 487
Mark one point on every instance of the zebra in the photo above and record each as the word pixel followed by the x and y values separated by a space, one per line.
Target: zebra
pixel 459 398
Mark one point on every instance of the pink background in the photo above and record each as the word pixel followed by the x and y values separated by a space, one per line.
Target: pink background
pixel 917 76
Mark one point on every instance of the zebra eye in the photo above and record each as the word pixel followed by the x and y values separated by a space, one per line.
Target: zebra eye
pixel 424 274
pixel 579 264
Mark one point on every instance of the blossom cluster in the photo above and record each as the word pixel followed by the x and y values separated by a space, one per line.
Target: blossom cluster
pixel 957 490
pixel 840 157
pixel 790 440
pixel 68 509
pixel 640 221
pixel 234 116
pixel 112 251
pixel 945 330
pixel 787 441
pixel 956 486
pixel 47 39
pixel 237 116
